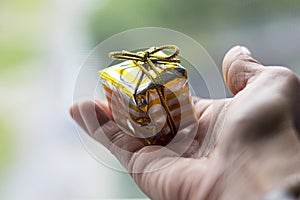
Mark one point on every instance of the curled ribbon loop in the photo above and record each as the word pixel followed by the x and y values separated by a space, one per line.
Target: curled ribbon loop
pixel 149 56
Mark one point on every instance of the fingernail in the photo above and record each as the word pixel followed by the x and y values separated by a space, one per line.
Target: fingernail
pixel 245 50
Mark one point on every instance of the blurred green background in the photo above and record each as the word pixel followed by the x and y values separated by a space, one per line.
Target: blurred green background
pixel 43 43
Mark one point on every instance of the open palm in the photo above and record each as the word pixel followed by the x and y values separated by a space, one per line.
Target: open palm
pixel 244 146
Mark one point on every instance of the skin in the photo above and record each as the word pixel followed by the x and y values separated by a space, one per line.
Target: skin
pixel 246 147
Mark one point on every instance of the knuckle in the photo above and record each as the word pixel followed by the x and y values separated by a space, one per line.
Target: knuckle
pixel 283 71
pixel 287 75
pixel 253 126
pixel 288 83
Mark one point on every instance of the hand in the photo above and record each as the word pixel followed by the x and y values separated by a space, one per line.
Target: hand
pixel 245 146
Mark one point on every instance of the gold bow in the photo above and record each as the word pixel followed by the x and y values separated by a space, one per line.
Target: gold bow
pixel 149 56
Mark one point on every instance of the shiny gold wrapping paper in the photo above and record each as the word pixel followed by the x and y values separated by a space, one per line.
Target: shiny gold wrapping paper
pixel 136 105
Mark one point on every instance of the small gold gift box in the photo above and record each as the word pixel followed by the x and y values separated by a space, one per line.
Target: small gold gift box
pixel 148 94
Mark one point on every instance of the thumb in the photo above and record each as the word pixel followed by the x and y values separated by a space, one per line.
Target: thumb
pixel 239 68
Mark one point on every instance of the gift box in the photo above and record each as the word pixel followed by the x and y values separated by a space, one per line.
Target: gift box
pixel 148 94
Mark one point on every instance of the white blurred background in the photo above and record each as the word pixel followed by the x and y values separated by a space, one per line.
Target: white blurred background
pixel 45 159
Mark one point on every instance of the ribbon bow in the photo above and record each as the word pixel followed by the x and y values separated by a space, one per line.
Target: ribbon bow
pixel 149 56
pixel 145 56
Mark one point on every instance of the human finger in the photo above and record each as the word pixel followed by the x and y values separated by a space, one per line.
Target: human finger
pixel 101 128
pixel 239 68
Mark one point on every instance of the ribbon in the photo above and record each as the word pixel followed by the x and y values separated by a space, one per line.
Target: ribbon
pixel 149 56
